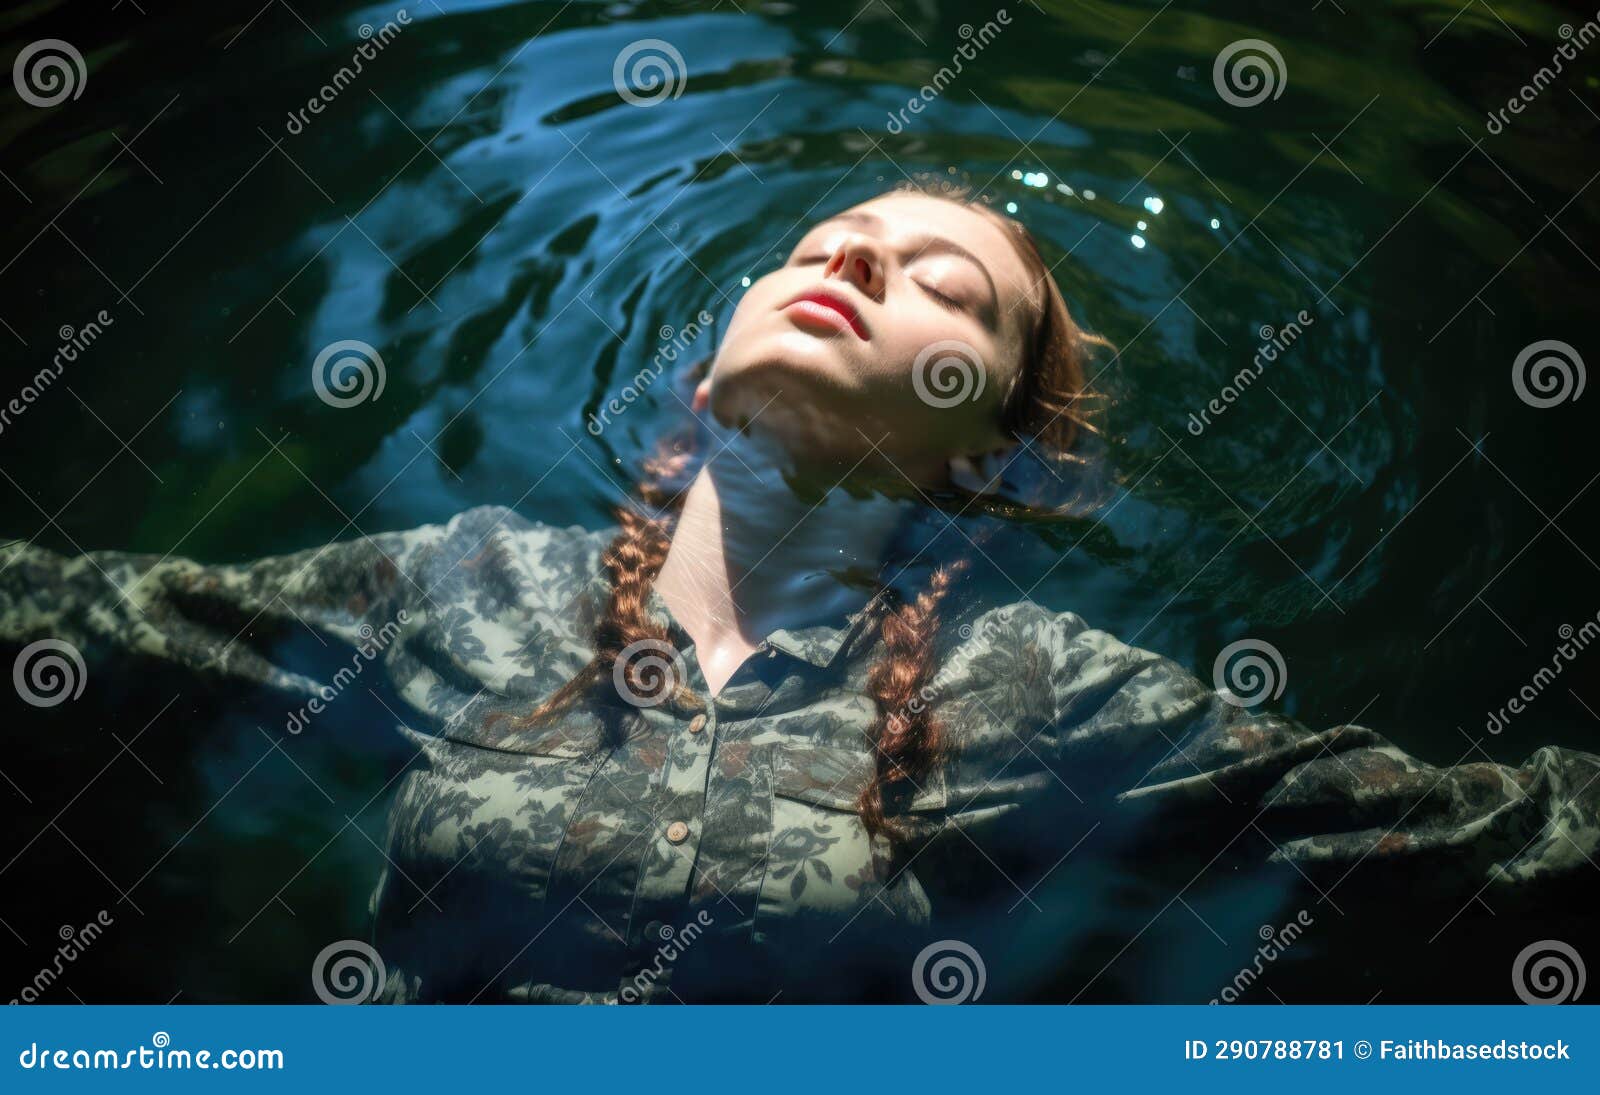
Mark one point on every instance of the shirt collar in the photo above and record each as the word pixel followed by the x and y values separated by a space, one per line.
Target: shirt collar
pixel 818 644
pixel 821 644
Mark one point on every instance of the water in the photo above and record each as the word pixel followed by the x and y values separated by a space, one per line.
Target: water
pixel 483 207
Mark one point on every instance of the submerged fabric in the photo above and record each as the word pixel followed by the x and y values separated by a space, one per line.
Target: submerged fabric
pixel 715 853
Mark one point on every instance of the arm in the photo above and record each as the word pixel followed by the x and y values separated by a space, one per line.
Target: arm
pixel 1328 801
pixel 217 620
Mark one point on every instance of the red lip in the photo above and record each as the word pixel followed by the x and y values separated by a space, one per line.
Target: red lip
pixel 827 308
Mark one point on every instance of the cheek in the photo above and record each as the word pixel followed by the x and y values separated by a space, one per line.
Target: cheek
pixel 924 323
pixel 739 321
pixel 940 359
pixel 951 386
pixel 758 305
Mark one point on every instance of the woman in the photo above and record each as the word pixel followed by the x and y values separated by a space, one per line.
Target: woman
pixel 734 751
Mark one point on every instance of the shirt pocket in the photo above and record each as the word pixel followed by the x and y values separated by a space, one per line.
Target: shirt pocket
pixel 498 815
pixel 493 723
pixel 572 735
pixel 474 835
pixel 822 868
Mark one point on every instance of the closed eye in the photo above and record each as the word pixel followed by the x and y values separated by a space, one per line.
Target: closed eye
pixel 948 303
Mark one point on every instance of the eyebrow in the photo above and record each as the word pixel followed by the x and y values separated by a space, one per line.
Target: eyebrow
pixel 924 243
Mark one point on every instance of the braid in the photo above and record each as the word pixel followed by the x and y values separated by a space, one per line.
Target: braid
pixel 632 559
pixel 1050 403
pixel 907 737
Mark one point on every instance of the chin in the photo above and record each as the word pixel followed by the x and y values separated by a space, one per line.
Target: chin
pixel 791 370
pixel 791 410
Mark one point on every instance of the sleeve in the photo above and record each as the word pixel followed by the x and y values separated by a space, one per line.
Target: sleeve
pixel 217 620
pixel 1190 759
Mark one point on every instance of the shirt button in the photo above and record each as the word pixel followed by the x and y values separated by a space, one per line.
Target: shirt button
pixel 677 832
pixel 697 724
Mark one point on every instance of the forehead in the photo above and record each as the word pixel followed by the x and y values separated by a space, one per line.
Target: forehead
pixel 907 217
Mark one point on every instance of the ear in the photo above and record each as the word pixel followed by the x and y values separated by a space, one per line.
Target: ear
pixel 981 473
pixel 702 396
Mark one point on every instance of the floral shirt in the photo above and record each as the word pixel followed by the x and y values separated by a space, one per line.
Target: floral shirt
pixel 715 853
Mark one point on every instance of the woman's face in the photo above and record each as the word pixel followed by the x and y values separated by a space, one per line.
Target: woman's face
pixel 886 343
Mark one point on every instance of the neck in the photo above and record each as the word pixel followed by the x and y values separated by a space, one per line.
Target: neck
pixel 750 555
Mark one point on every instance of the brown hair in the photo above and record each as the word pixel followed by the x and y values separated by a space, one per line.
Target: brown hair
pixel 1048 405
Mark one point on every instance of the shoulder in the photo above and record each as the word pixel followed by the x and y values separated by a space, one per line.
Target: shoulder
pixel 1027 629
pixel 1088 667
pixel 541 546
pixel 494 550
pixel 1071 691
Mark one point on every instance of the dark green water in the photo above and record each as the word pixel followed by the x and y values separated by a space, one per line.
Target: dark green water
pixel 483 207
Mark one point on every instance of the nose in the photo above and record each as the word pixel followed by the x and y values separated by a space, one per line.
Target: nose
pixel 859 260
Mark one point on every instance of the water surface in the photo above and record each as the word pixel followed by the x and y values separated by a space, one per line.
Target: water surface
pixel 515 238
